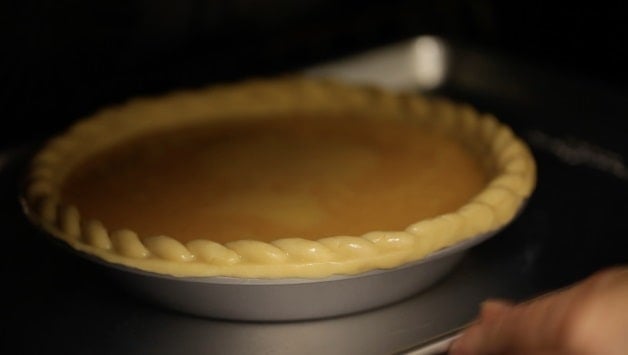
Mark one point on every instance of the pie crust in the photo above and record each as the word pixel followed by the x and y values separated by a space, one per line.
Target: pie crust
pixel 505 157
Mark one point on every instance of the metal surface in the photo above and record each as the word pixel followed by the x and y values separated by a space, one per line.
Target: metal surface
pixel 436 346
pixel 573 224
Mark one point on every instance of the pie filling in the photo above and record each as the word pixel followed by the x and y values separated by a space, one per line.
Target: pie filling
pixel 275 178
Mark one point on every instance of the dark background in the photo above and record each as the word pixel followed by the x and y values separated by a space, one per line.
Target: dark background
pixel 64 59
pixel 61 60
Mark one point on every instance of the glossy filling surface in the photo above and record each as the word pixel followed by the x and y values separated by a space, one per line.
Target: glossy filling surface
pixel 275 178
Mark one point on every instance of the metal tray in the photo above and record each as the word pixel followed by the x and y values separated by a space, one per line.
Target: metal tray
pixel 71 306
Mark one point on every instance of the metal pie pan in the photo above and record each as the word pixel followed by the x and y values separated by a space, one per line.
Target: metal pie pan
pixel 287 299
pixel 290 299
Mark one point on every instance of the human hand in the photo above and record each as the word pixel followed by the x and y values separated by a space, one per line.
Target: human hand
pixel 590 317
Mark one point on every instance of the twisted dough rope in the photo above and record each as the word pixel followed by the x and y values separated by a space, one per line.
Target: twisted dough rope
pixel 504 156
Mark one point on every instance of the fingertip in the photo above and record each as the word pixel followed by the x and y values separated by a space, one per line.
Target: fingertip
pixel 466 343
pixel 491 311
pixel 472 340
pixel 457 348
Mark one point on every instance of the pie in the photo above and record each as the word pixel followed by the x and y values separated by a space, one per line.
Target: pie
pixel 278 178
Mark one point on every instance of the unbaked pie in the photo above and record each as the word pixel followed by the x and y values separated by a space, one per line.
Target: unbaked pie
pixel 277 178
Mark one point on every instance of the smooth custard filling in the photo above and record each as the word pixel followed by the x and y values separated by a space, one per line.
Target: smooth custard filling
pixel 276 178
